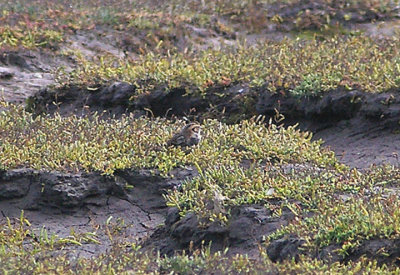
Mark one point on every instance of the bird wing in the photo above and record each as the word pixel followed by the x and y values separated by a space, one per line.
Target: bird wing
pixel 177 140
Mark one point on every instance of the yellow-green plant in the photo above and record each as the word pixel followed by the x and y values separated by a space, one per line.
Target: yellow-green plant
pixel 302 67
pixel 93 144
pixel 14 36
pixel 348 219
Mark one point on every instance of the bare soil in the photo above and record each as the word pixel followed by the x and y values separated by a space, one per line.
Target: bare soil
pixel 75 205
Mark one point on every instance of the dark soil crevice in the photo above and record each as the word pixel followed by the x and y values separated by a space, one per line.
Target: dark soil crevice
pixel 119 98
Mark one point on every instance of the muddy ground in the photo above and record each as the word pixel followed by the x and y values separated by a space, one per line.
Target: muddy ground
pixel 362 133
pixel 89 205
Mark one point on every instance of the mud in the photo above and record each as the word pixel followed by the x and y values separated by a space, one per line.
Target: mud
pixel 361 128
pixel 130 205
pixel 243 234
pixel 23 73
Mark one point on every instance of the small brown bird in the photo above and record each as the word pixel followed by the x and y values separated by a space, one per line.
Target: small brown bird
pixel 189 135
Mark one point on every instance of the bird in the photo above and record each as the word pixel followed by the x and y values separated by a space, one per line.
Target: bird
pixel 189 135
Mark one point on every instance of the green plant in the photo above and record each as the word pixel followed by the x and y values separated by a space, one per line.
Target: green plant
pixel 351 222
pixel 310 86
pixel 290 65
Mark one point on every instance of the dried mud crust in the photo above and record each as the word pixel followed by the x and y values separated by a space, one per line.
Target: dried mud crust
pixel 23 73
pixel 362 128
pixel 83 202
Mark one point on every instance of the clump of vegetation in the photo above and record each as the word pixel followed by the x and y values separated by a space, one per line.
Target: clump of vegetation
pixel 94 144
pixel 310 86
pixel 213 194
pixel 290 65
pixel 29 38
pixel 350 220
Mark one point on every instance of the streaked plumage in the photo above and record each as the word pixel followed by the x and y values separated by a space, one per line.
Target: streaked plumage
pixel 189 135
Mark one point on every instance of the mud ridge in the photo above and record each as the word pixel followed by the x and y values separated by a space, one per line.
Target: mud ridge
pixel 244 232
pixel 362 128
pixel 23 72
pixel 224 102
